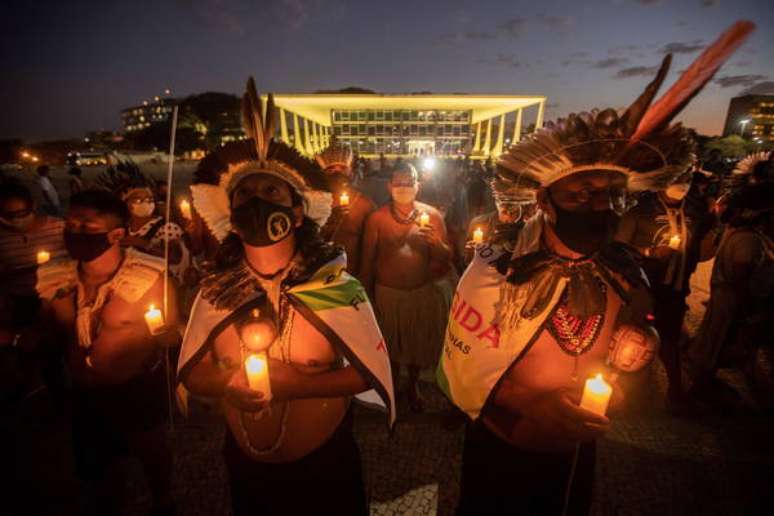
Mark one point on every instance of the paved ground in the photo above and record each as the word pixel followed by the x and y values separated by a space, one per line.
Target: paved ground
pixel 650 463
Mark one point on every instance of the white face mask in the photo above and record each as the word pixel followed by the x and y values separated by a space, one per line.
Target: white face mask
pixel 677 192
pixel 403 194
pixel 143 209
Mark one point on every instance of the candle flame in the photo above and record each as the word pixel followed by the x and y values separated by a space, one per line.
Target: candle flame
pixel 255 364
pixel 598 385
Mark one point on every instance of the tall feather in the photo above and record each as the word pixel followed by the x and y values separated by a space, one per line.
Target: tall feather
pixel 693 79
pixel 270 124
pixel 633 115
pixel 253 114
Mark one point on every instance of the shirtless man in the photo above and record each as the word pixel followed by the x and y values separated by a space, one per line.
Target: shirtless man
pixel 97 299
pixel 534 318
pixel 399 252
pixel 280 292
pixel 345 226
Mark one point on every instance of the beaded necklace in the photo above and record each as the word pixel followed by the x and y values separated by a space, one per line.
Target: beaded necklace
pixel 403 220
pixel 576 335
pixel 281 352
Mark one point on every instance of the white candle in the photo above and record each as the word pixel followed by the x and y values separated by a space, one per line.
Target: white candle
pixel 154 319
pixel 43 257
pixel 185 209
pixel 675 242
pixel 596 395
pixel 257 369
pixel 344 199
pixel 478 236
pixel 424 219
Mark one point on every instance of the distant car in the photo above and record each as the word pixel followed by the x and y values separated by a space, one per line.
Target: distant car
pixel 86 159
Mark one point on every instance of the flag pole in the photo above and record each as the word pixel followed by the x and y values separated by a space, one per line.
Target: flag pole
pixel 170 168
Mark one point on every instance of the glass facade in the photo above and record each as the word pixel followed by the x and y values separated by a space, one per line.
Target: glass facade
pixel 402 131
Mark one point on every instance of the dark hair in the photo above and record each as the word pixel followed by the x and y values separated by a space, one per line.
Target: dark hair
pixel 15 190
pixel 43 170
pixel 105 203
pixel 404 168
pixel 75 171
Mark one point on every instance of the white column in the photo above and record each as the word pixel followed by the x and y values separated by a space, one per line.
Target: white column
pixel 539 120
pixel 283 127
pixel 517 127
pixel 477 143
pixel 488 140
pixel 297 136
pixel 498 148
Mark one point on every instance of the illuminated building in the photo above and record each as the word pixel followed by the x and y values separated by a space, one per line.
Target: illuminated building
pixel 751 116
pixel 139 117
pixel 404 125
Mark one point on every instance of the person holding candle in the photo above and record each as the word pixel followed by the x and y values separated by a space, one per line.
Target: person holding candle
pixel 351 207
pixel 534 318
pixel 280 334
pixel 669 228
pixel 737 327
pixel 400 257
pixel 27 238
pixel 148 228
pixel 96 300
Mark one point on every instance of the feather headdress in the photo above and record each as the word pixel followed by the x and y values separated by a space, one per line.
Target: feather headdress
pixel 639 143
pixel 746 166
pixel 221 171
pixel 123 180
pixel 336 154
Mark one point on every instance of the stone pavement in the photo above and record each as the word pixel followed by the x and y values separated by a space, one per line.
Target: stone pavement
pixel 650 463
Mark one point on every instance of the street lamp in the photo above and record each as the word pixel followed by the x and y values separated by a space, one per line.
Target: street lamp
pixel 743 123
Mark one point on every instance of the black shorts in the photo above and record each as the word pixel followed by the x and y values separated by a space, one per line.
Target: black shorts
pixel 327 481
pixel 105 416
pixel 498 478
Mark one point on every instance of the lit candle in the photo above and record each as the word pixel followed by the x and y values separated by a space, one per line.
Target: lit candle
pixel 675 242
pixel 154 319
pixel 596 395
pixel 43 257
pixel 185 209
pixel 344 199
pixel 257 369
pixel 424 219
pixel 478 236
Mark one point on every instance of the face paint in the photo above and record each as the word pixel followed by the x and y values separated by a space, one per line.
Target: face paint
pixel 262 223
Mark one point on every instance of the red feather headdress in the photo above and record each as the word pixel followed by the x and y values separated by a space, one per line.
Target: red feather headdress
pixel 639 144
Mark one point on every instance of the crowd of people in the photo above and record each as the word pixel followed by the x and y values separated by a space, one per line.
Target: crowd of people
pixel 291 286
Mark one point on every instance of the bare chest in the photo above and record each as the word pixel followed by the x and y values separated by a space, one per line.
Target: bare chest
pixel 550 364
pixel 302 346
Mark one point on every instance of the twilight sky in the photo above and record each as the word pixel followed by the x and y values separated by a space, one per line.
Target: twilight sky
pixel 70 66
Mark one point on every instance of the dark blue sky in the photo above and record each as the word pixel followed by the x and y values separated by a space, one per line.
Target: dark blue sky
pixel 70 66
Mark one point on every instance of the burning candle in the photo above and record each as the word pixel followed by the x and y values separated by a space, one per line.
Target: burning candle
pixel 257 369
pixel 478 236
pixel 185 209
pixel 154 319
pixel 43 257
pixel 344 199
pixel 424 219
pixel 596 395
pixel 675 242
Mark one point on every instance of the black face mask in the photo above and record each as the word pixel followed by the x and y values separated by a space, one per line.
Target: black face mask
pixel 585 232
pixel 261 223
pixel 86 247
